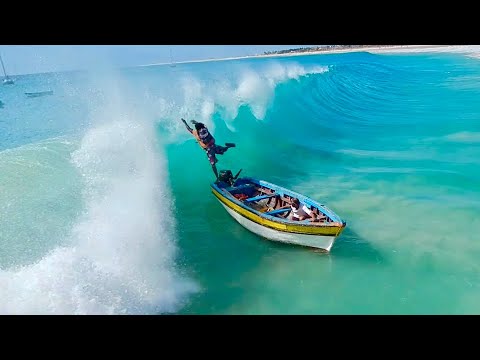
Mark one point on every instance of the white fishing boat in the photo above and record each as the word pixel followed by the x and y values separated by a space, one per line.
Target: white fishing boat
pixel 264 209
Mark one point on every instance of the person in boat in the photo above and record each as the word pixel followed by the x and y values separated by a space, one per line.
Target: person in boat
pixel 207 143
pixel 302 212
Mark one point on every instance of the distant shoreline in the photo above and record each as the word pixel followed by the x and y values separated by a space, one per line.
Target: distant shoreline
pixel 373 49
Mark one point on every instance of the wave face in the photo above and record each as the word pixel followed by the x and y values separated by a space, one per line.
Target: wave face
pixel 108 207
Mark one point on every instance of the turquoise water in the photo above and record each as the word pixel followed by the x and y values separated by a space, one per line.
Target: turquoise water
pixel 106 206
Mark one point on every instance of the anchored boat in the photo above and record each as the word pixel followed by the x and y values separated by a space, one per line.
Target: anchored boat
pixel 265 209
pixel 39 93
pixel 6 80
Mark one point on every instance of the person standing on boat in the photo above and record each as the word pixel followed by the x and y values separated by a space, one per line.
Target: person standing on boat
pixel 207 143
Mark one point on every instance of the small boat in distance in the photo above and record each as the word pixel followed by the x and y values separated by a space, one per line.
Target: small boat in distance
pixel 39 93
pixel 7 80
pixel 263 208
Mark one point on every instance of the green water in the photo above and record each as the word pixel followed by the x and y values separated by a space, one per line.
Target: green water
pixel 120 219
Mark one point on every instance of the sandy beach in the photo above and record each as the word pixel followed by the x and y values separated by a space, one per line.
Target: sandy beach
pixel 374 49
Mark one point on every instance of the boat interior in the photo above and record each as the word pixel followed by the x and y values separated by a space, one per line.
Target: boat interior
pixel 269 202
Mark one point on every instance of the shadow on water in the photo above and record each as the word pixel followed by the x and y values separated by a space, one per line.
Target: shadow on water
pixel 351 245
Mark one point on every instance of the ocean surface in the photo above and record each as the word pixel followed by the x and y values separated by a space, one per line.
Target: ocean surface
pixel 105 204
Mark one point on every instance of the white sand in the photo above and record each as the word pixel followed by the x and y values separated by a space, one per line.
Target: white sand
pixel 473 50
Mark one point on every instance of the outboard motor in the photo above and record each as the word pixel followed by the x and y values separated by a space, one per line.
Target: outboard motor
pixel 226 176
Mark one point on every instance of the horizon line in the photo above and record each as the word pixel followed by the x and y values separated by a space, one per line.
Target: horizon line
pixel 325 50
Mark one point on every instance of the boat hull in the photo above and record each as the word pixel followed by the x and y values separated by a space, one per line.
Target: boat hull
pixel 38 94
pixel 242 202
pixel 323 242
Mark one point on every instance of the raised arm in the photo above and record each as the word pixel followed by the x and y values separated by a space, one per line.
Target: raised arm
pixel 186 125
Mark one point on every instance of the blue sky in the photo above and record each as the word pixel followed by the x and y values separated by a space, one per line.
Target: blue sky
pixel 28 59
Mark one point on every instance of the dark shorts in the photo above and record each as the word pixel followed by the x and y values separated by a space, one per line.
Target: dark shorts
pixel 212 151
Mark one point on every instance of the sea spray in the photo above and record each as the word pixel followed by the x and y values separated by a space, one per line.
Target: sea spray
pixel 119 257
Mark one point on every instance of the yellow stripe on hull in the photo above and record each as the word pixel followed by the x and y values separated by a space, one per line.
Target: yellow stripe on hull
pixel 291 228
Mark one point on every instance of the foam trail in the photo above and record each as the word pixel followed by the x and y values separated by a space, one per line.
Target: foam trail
pixel 464 136
pixel 120 257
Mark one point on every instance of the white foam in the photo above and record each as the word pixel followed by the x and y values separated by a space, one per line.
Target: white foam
pixel 254 88
pixel 120 256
